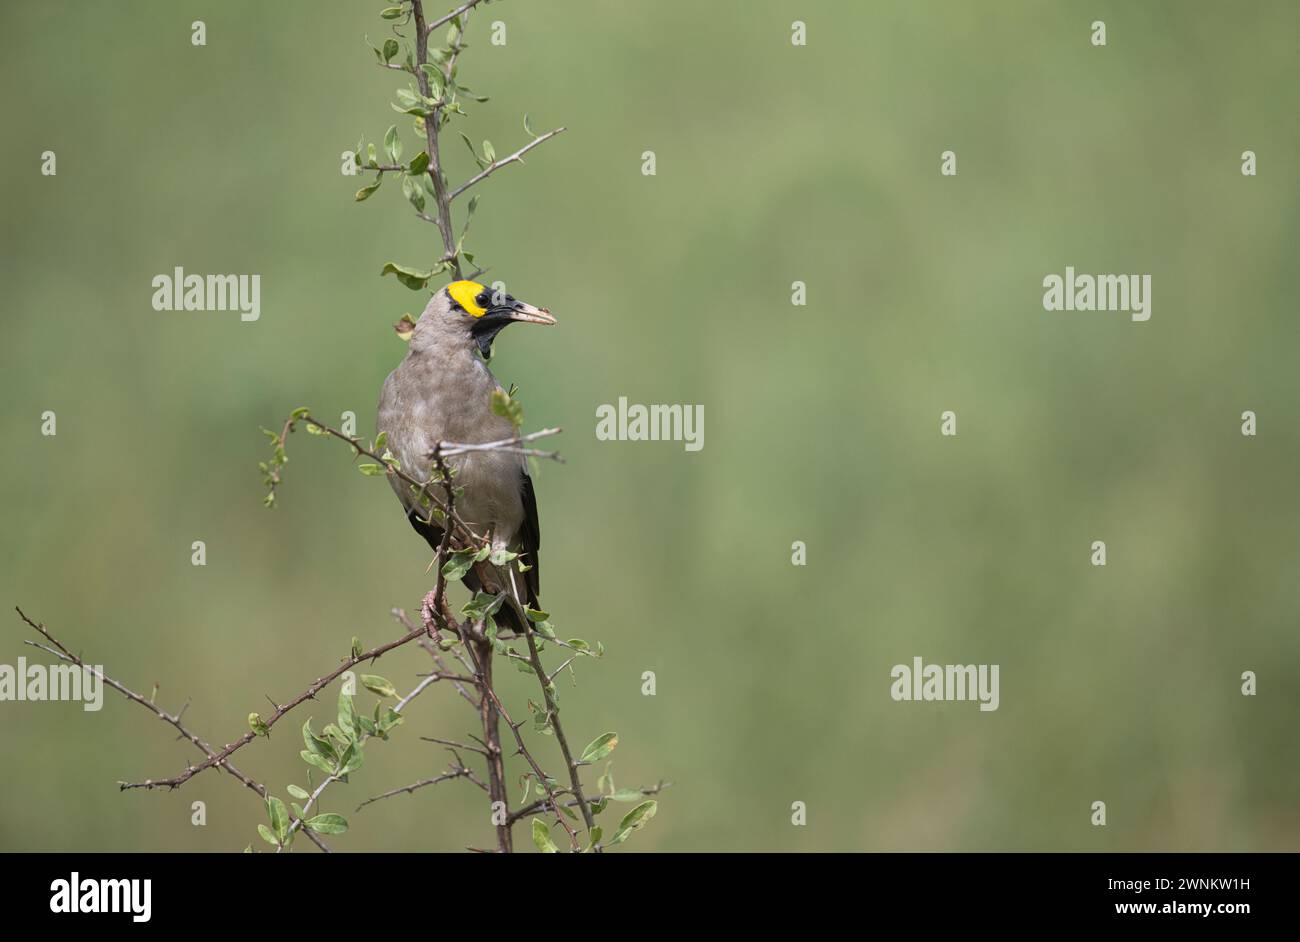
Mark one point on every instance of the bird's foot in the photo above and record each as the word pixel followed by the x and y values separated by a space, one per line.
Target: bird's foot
pixel 426 614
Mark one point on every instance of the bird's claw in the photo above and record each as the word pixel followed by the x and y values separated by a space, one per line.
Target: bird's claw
pixel 426 614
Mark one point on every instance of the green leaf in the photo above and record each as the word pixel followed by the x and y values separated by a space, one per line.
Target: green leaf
pixel 419 108
pixel 268 835
pixel 489 152
pixel 414 193
pixel 605 784
pixel 413 278
pixel 627 794
pixel 460 563
pixel 470 144
pixel 257 725
pixel 300 412
pixel 542 838
pixel 391 13
pixel 376 684
pixel 365 192
pixel 390 49
pixel 390 719
pixel 393 144
pixel 356 647
pixel 634 820
pixel 372 470
pixel 298 792
pixel 594 837
pixel 279 817
pixel 319 762
pixel 536 614
pixel 351 760
pixel 333 732
pixel 380 442
pixel 528 129
pixel 328 823
pixel 482 605
pixel 599 747
pixel 347 715
pixel 419 164
pixel 507 407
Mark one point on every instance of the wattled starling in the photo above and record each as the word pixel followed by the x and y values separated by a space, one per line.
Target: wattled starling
pixel 442 392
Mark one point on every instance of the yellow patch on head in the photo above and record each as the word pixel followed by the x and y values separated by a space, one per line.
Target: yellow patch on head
pixel 465 293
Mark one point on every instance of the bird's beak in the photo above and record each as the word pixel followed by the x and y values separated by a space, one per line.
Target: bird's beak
pixel 526 313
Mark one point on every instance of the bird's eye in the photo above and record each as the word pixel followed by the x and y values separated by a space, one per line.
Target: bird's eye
pixel 484 299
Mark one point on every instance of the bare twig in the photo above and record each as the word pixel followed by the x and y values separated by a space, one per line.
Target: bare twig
pixel 172 719
pixel 542 777
pixel 543 804
pixel 553 711
pixel 512 445
pixel 408 789
pixel 308 694
pixel 498 164
pixel 465 8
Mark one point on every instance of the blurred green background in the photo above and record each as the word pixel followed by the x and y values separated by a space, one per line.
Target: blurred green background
pixel 775 164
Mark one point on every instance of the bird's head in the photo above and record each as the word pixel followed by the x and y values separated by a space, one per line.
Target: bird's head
pixel 466 312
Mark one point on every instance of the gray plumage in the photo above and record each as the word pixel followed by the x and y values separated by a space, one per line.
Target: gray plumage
pixel 442 391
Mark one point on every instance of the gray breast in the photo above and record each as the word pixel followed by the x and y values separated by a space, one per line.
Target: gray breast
pixel 429 399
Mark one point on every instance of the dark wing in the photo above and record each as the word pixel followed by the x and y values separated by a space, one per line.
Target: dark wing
pixel 530 538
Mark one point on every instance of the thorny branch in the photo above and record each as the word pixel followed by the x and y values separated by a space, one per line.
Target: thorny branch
pixel 280 711
pixel 436 119
pixel 516 157
pixel 173 719
pixel 476 645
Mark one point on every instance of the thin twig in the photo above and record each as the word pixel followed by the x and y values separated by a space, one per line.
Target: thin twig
pixel 542 804
pixel 498 164
pixel 172 719
pixel 440 197
pixel 452 449
pixel 408 789
pixel 452 15
pixel 542 777
pixel 310 693
pixel 553 711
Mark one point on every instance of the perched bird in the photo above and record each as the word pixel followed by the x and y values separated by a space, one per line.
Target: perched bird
pixel 442 392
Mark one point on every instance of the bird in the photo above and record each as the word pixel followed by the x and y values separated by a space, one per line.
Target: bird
pixel 442 392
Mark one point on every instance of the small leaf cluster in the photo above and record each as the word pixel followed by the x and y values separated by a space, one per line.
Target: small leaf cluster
pixel 336 752
pixel 434 94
